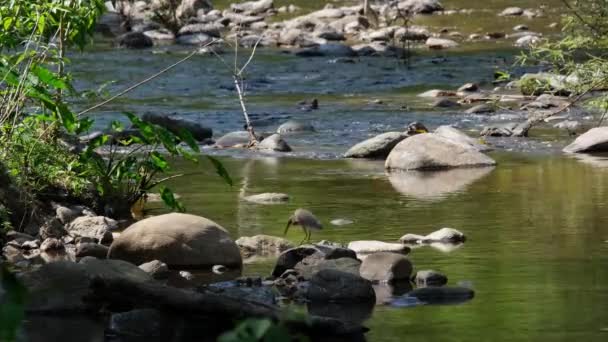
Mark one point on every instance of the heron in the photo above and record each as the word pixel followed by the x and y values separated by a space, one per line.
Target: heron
pixel 306 220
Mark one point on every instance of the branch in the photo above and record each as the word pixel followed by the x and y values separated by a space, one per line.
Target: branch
pixel 143 81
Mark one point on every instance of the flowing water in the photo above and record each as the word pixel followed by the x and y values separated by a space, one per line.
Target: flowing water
pixel 537 243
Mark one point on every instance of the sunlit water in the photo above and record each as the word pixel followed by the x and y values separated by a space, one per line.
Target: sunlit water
pixel 537 245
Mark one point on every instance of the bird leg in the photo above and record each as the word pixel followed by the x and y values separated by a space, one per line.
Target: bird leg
pixel 289 223
pixel 305 236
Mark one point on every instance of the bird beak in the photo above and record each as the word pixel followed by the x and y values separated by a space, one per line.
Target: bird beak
pixel 287 227
pixel 421 130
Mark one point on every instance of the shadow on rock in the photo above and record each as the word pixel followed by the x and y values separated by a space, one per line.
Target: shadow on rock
pixel 355 313
pixel 435 185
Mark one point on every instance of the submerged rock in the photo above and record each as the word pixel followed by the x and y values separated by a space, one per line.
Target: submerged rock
pixel 263 245
pixel 268 198
pixel 177 240
pixel 594 140
pixel 430 278
pixel 445 103
pixel 433 152
pixel 442 295
pixel 135 40
pixel 386 266
pixel 377 147
pixel 293 126
pixel 176 126
pixel 336 286
pixel 327 50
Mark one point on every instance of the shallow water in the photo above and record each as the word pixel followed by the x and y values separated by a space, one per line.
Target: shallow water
pixel 536 224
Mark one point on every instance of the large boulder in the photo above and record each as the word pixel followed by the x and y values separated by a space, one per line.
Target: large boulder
pixel 263 245
pixel 176 126
pixel 594 140
pixel 336 286
pixel 431 152
pixel 178 240
pixel 274 143
pixel 98 228
pixel 421 6
pixel 63 286
pixel 386 266
pixel 459 137
pixel 377 147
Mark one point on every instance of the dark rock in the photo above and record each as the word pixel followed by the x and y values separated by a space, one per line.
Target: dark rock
pixel 442 295
pixel 291 257
pixel 430 278
pixel 98 228
pixel 445 103
pixel 92 250
pixel 51 244
pixel 135 40
pixel 52 229
pixel 137 323
pixel 313 264
pixel 327 50
pixel 330 285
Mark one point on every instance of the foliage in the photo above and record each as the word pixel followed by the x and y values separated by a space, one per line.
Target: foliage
pixel 534 86
pixel 253 330
pixel 165 13
pixel 12 304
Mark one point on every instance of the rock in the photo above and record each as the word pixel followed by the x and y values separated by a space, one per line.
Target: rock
pixel 377 147
pixel 327 50
pixel 430 278
pixel 15 235
pixel 135 40
pixel 137 323
pixel 440 43
pixel 315 263
pixel 411 238
pixel 98 228
pixel 594 140
pixel 437 93
pixel 421 6
pixel 291 257
pixel 521 28
pixel 293 126
pixel 186 275
pixel 263 245
pixel 253 7
pixel 161 35
pixel 445 103
pixel 64 286
pixel 52 229
pixel 156 269
pixel 327 13
pixel 527 41
pixel 505 130
pixel 412 33
pixel 430 151
pixel 341 222
pixel 177 240
pixel 274 143
pixel 481 109
pixel 176 126
pixel 210 29
pixel 331 35
pixel 92 250
pixel 190 8
pixel 268 198
pixel 386 266
pixel 495 35
pixel 51 244
pixel 233 139
pixel 194 39
pixel 445 235
pixel 442 295
pixel 511 12
pixel 66 214
pixel 368 247
pixel 335 286
pixel 568 125
pixel 461 138
pixel 239 19
pixel 469 87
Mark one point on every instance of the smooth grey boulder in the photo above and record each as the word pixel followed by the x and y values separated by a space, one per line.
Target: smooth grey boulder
pixel 233 139
pixel 275 143
pixel 430 151
pixel 330 285
pixel 370 246
pixel 293 126
pixel 594 140
pixel 440 43
pixel 156 269
pixel 268 198
pixel 459 137
pixel 445 235
pixel 262 245
pixel 177 240
pixel 135 40
pixel 386 266
pixel 430 278
pixel 177 126
pixel 98 228
pixel 511 12
pixel 377 147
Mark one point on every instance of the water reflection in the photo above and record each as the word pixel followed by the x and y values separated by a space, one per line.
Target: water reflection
pixel 346 312
pixel 435 185
pixel 62 328
pixel 595 160
pixel 386 292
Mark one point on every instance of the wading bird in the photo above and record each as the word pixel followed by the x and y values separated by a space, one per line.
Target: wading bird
pixel 306 220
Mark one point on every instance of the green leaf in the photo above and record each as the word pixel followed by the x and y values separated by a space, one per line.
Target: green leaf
pixel 169 199
pixel 221 171
pixel 159 162
pixel 67 117
pixel 117 126
pixel 187 137
pixel 45 76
